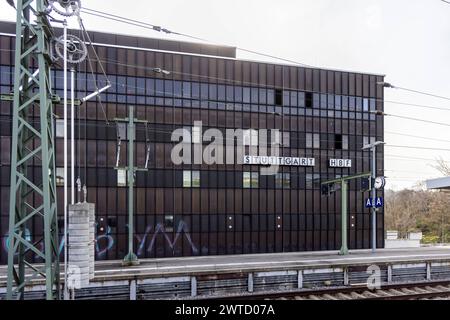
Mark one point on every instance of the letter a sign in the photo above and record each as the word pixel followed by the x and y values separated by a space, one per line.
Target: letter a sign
pixel 370 202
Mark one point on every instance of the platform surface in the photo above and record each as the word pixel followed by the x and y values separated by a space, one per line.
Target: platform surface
pixel 184 266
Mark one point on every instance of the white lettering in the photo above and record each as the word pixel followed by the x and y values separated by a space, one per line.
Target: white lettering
pixel 340 163
pixel 284 161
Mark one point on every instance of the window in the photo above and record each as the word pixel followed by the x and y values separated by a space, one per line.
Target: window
pixel 204 91
pixel 281 138
pixel 312 140
pixel 338 141
pixel 368 140
pixel 279 180
pixel 238 94
pixel 262 96
pixel 186 179
pixel 316 100
pixel 286 180
pixel 372 103
pixel 221 92
pixel 283 180
pixel 246 179
pixel 337 102
pixel 250 179
pixel 309 180
pixel 191 179
pixel 316 141
pixel 365 104
pixel 344 142
pixel 230 93
pixel 195 90
pixel 159 88
pixel 294 99
pixel 168 223
pixel 312 180
pixel 358 103
pixel 286 139
pixel 323 100
pixel 121 177
pixel 195 179
pixel 177 89
pixel 186 89
pixel 308 99
pixel 270 96
pixel 246 95
pixel 316 180
pixel 250 137
pixel 59 176
pixel 278 97
pixel 59 128
pixel 213 92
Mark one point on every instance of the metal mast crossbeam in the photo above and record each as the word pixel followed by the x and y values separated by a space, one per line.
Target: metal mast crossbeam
pixel 343 181
pixel 33 183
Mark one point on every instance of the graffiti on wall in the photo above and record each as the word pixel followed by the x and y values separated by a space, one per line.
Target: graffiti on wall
pixel 104 242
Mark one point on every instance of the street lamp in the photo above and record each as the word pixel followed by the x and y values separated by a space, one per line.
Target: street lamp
pixel 373 146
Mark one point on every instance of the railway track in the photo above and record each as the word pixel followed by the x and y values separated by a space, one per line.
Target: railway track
pixel 405 291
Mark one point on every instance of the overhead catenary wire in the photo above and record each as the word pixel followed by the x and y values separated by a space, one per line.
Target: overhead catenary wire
pixel 416 147
pixel 159 29
pixel 85 35
pixel 415 136
pixel 116 62
pixel 152 27
pixel 418 92
pixel 411 118
pixel 155 28
pixel 154 130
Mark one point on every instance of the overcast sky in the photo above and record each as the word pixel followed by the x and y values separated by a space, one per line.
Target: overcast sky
pixel 407 40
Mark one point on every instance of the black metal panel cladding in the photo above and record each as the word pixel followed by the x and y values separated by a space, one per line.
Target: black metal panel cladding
pixel 220 216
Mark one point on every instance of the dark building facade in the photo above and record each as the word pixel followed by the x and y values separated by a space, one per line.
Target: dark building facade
pixel 211 209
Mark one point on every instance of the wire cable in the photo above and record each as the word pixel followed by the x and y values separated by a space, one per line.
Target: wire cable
pixel 152 27
pixel 421 92
pixel 116 62
pixel 80 21
pixel 414 136
pixel 414 119
pixel 414 147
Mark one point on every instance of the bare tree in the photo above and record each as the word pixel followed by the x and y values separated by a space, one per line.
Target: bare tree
pixel 442 166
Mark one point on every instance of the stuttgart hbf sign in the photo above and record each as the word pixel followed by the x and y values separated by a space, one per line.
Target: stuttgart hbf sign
pixel 279 161
pixel 340 163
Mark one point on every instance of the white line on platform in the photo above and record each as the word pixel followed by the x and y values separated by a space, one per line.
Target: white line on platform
pixel 325 260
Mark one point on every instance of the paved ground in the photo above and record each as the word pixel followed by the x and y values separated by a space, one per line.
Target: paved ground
pixel 261 262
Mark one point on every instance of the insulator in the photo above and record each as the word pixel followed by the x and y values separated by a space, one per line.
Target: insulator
pixel 76 49
pixel 66 8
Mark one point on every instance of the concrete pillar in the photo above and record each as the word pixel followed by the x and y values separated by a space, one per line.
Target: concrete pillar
pixel 389 273
pixel 346 278
pixel 250 282
pixel 91 240
pixel 428 270
pixel 193 286
pixel 133 290
pixel 300 279
pixel 78 246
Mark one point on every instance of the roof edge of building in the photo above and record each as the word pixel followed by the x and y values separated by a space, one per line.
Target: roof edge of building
pixel 229 54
